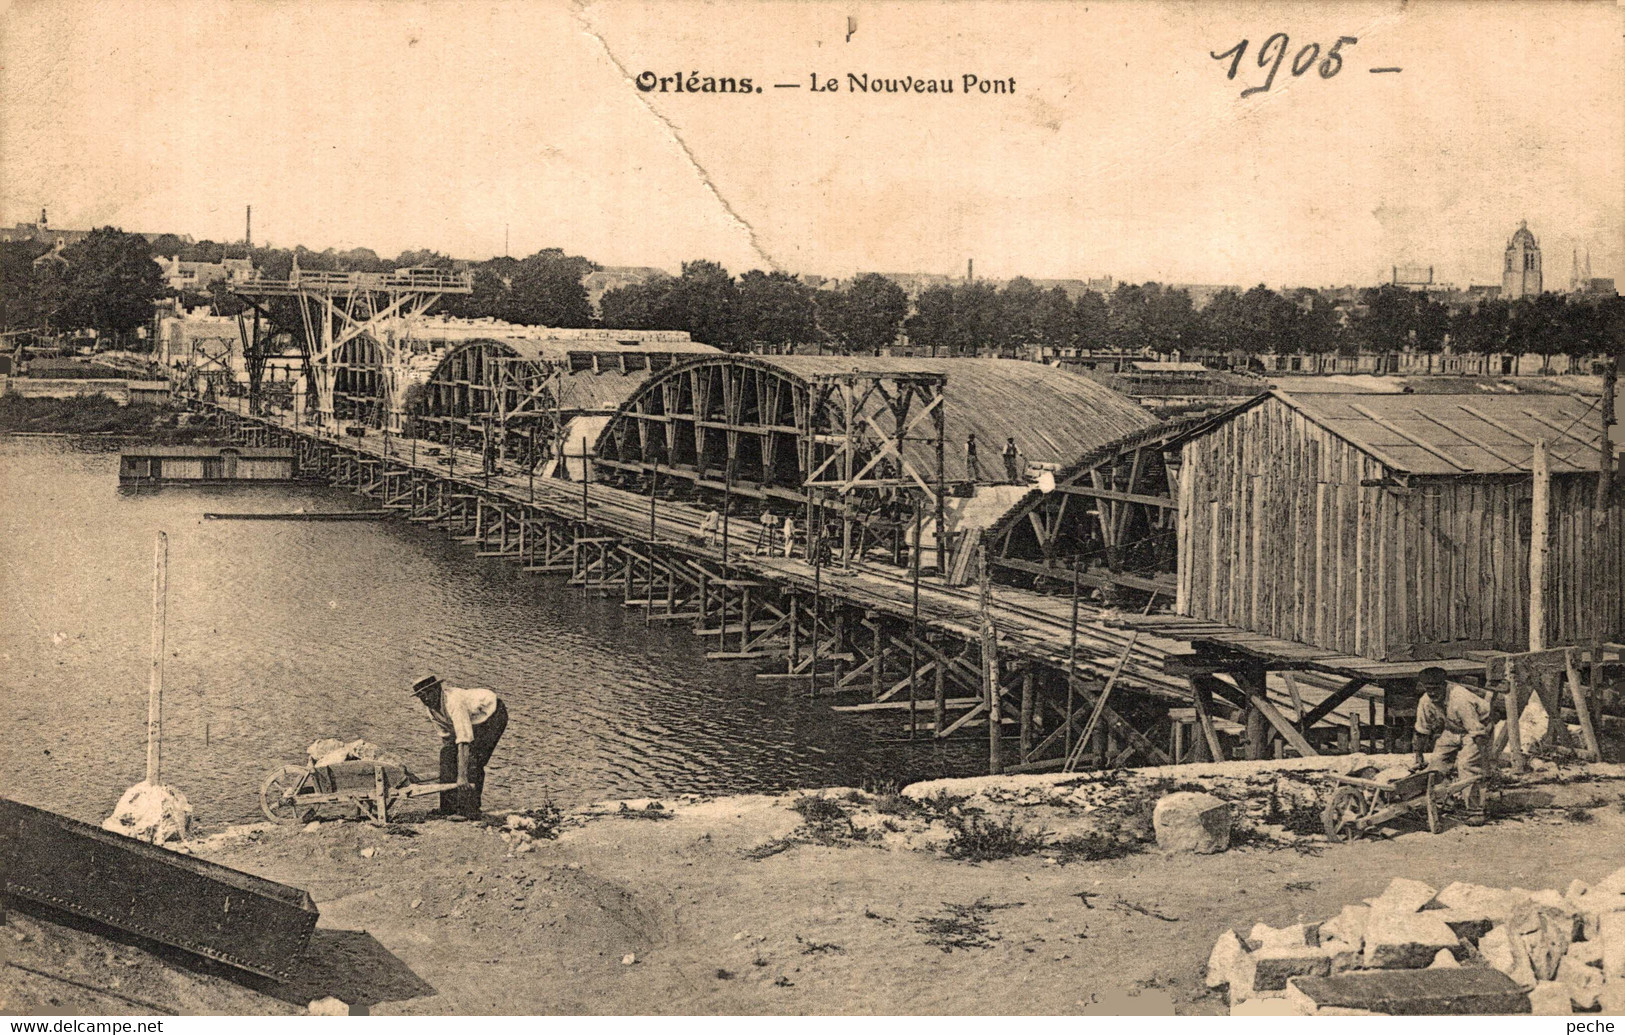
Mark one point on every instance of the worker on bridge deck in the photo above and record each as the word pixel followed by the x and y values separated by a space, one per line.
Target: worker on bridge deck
pixel 471 721
pixel 1459 718
pixel 1012 462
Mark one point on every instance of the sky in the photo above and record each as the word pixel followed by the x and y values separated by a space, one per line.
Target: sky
pixel 1123 149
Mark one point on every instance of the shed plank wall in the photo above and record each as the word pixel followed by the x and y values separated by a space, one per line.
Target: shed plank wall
pixel 1278 536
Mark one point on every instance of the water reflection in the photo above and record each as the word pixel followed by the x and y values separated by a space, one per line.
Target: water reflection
pixel 283 632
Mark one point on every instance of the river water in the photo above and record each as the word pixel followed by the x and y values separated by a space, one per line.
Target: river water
pixel 280 633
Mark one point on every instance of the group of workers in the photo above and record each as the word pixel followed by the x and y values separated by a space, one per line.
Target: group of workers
pixel 1453 719
pixel 1012 460
pixel 773 537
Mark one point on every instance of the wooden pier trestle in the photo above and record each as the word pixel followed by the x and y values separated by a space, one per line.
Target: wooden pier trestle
pixel 875 640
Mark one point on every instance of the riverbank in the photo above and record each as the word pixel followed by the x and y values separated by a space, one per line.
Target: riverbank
pixel 94 415
pixel 836 902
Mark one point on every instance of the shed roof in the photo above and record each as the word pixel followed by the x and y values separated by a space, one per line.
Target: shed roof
pixel 186 452
pixel 584 387
pixel 1460 434
pixel 561 348
pixel 1053 414
pixel 1160 366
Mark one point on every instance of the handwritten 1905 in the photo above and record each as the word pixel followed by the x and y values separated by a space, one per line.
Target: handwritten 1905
pixel 1273 53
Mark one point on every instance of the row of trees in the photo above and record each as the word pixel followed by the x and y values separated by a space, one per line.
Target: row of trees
pixel 774 309
pixel 1154 317
pixel 761 309
pixel 109 281
pixel 545 288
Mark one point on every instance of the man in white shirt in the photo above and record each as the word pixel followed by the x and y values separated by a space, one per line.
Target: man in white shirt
pixel 1459 719
pixel 471 721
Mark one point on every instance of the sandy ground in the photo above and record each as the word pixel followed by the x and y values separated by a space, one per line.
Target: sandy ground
pixel 709 912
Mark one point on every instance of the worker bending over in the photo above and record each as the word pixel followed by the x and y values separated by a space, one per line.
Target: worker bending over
pixel 471 721
pixel 1457 719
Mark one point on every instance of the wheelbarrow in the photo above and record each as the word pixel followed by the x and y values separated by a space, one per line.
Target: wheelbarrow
pixel 294 794
pixel 1369 798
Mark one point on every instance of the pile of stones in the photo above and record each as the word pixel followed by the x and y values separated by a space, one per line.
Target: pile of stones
pixel 1414 950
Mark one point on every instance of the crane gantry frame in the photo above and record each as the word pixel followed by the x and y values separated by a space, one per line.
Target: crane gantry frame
pixel 338 308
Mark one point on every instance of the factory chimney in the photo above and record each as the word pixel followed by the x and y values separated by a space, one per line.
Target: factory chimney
pixel 248 226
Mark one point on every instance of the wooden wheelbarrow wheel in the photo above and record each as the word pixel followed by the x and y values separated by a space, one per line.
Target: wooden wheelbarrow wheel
pixel 1342 812
pixel 278 792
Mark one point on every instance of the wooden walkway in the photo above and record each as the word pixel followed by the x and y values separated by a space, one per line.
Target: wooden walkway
pixel 1289 653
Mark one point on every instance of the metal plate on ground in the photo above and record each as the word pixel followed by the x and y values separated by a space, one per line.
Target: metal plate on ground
pixel 237 918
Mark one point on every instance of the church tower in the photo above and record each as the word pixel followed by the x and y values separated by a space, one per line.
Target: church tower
pixel 1520 277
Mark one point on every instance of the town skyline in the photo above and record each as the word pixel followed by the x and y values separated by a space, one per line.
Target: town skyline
pixel 1558 280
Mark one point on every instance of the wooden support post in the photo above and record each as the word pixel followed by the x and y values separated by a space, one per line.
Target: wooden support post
pixel 1605 446
pixel 1202 698
pixel 1539 544
pixel 940 703
pixel 1582 706
pixel 705 602
pixel 818 603
pixel 1514 713
pixel 843 649
pixel 1257 733
pixel 914 630
pixel 1027 711
pixel 1549 685
pixel 1072 661
pixel 155 674
pixel 876 648
pixel 990 665
pixel 1297 701
pixel 1251 680
pixel 795 633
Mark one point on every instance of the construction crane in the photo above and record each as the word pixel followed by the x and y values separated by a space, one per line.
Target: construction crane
pixel 337 310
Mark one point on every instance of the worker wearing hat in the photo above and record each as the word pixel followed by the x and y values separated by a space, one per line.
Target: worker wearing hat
pixel 1459 721
pixel 471 721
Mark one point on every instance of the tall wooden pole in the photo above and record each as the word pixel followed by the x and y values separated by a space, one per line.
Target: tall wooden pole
pixel 818 606
pixel 1605 448
pixel 155 677
pixel 649 605
pixel 990 666
pixel 1539 545
pixel 1072 660
pixel 1606 519
pixel 942 489
pixel 727 505
pixel 914 628
pixel 654 486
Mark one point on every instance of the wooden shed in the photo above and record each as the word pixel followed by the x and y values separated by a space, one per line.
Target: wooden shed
pixel 1397 527
pixel 187 463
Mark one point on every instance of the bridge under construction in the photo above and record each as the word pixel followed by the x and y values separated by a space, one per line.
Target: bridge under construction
pixel 1033 619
